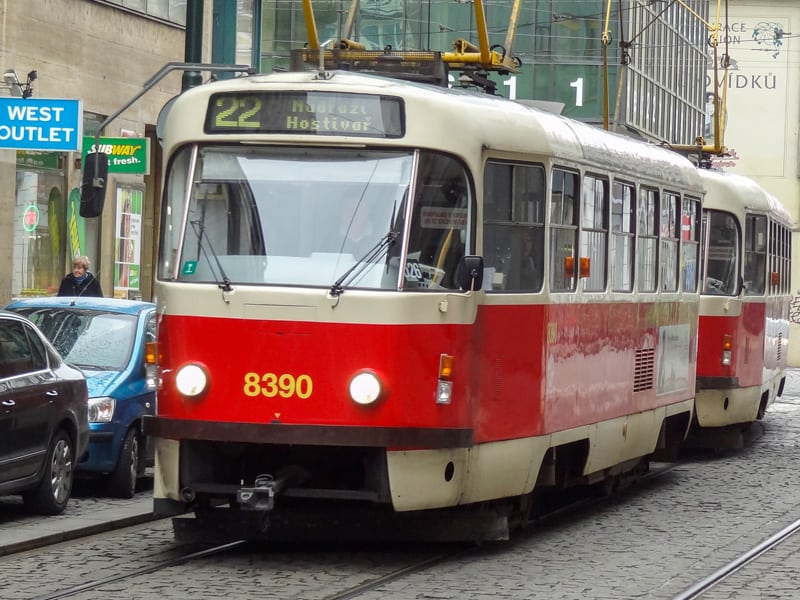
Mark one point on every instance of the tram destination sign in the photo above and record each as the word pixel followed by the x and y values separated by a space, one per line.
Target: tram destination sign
pixel 309 113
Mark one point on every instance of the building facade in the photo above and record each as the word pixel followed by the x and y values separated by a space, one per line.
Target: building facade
pixel 98 54
pixel 644 67
pixel 568 51
pixel 762 121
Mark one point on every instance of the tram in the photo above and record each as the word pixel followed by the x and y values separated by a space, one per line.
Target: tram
pixel 401 311
pixel 744 308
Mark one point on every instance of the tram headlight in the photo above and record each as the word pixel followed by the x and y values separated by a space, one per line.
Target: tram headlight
pixel 191 380
pixel 365 388
pixel 444 392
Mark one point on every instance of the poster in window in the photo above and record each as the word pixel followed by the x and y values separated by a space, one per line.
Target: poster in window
pixel 127 255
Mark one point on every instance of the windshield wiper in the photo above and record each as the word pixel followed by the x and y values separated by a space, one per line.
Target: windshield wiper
pixel 199 229
pixel 361 264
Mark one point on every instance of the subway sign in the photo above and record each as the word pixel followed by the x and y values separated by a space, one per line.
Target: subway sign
pixel 43 124
pixel 125 155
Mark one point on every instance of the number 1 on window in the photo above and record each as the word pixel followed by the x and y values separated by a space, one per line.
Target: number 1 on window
pixel 578 85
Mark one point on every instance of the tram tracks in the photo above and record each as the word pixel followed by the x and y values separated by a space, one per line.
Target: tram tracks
pixel 388 570
pixel 179 560
pixel 728 570
pixel 391 568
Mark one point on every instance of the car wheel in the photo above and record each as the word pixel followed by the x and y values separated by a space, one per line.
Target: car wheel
pixel 122 482
pixel 50 497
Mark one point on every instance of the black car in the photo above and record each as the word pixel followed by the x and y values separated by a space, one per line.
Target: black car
pixel 44 426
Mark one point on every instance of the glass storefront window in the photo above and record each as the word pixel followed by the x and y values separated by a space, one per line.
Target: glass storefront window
pixel 39 226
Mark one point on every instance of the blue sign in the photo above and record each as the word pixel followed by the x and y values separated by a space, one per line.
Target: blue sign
pixel 41 124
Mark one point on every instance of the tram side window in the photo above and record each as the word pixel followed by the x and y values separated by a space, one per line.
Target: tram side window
pixel 513 235
pixel 594 231
pixel 623 205
pixel 721 262
pixel 690 243
pixel 647 251
pixel 563 230
pixel 173 214
pixel 755 254
pixel 784 258
pixel 669 242
pixel 439 223
pixel 779 258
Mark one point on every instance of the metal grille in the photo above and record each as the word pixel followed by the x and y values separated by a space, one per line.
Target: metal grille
pixel 643 369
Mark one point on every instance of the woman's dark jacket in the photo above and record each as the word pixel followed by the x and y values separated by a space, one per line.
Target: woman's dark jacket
pixel 88 287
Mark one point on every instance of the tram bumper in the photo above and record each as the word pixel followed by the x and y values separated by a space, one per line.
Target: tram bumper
pixel 224 525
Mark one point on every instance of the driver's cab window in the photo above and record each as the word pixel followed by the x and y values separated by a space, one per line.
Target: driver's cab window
pixel 440 228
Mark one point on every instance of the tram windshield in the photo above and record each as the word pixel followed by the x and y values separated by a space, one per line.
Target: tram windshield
pixel 722 258
pixel 336 218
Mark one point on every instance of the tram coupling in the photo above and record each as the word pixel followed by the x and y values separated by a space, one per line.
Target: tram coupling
pixel 261 497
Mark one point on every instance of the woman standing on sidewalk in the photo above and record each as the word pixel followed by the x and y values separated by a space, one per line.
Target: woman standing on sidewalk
pixel 80 282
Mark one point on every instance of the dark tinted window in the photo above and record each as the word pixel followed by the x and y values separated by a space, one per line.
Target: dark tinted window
pixel 38 351
pixel 15 351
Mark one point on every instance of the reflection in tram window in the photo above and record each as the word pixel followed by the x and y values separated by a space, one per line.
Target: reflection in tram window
pixel 594 231
pixel 563 230
pixel 647 252
pixel 690 243
pixel 755 254
pixel 669 242
pixel 623 203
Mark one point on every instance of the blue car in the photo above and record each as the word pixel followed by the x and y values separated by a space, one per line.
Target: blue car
pixel 106 338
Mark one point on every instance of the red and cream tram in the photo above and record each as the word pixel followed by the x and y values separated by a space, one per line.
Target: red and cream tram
pixel 744 307
pixel 396 310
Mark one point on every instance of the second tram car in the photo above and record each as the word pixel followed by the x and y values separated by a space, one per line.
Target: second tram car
pixel 400 311
pixel 744 307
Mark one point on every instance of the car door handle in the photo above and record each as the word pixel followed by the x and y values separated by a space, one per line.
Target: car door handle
pixel 9 403
pixel 52 392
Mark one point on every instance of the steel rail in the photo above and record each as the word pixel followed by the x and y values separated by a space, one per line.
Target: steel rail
pixel 729 569
pixel 143 571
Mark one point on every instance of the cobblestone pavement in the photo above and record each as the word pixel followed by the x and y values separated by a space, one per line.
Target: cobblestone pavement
pixel 655 540
pixel 652 542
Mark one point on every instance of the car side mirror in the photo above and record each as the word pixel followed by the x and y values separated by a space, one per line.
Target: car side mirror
pixel 93 188
pixel 469 274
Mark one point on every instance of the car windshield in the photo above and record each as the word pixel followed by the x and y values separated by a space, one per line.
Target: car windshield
pixel 86 338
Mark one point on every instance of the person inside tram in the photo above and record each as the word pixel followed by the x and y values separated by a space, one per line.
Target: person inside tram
pixel 530 272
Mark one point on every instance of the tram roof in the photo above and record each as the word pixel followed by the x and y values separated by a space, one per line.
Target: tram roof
pixel 737 192
pixel 494 122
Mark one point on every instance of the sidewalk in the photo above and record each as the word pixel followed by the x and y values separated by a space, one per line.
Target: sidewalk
pixel 84 515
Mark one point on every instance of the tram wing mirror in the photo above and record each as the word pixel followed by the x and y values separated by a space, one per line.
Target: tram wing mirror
pixel 469 273
pixel 93 187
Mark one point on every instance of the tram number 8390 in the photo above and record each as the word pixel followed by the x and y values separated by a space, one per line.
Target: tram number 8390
pixel 271 385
